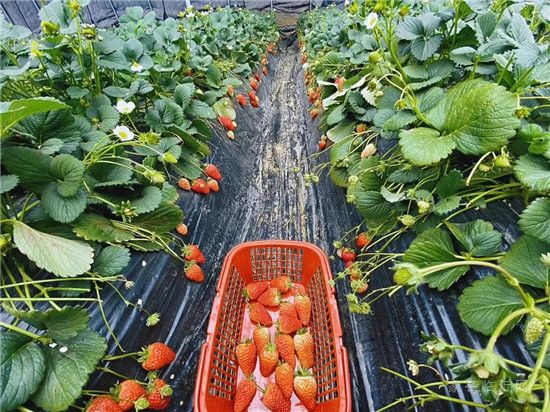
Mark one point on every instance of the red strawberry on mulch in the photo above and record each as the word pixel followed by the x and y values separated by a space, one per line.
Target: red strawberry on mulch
pixel 156 356
pixel 158 395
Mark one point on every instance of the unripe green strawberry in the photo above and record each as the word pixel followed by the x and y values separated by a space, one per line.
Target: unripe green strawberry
pixel 423 206
pixel 502 161
pixel 408 220
pixel 534 329
pixel 402 276
pixel 375 56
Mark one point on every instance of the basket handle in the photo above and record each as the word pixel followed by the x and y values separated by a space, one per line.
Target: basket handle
pixel 198 383
pixel 347 383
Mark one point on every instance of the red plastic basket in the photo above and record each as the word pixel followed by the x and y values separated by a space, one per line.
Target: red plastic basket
pixel 218 373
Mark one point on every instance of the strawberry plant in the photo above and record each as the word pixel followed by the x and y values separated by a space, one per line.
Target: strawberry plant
pixel 430 110
pixel 97 127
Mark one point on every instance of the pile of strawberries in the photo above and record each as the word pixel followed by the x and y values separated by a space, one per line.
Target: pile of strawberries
pixel 194 258
pixel 349 256
pixel 201 186
pixel 131 394
pixel 278 355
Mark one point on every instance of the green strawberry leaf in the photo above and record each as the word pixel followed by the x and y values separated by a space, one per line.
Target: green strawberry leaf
pixel 8 182
pixel 60 256
pixel 434 247
pixel 524 262
pixel 165 113
pixel 450 183
pixel 18 110
pixel 150 199
pixel 68 368
pixel 535 219
pixel 111 260
pixel 97 228
pixel 30 165
pixel 423 146
pixel 59 324
pixel 341 131
pixel 447 205
pixel 102 113
pixel 163 219
pixel 200 109
pixel 63 209
pixel 487 302
pixel 376 210
pixel 183 94
pixel 534 172
pixel 58 126
pixel 214 77
pixel 225 107
pixel 22 368
pixel 68 173
pixel 477 115
pixel 478 238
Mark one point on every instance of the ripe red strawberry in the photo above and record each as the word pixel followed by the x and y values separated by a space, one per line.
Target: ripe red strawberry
pixel 156 356
pixel 284 377
pixel 184 184
pixel 271 48
pixel 285 346
pixel 213 185
pixel 339 82
pixel 192 253
pixel 322 144
pixel 287 308
pixel 246 391
pixel 289 324
pixel 302 303
pixel 103 404
pixel 268 359
pixel 258 77
pixel 362 240
pixel 194 272
pixel 283 283
pixel 261 337
pixel 274 399
pixel 158 395
pixel 313 113
pixel 349 263
pixel 182 229
pixel 305 387
pixel 348 255
pixel 265 71
pixel 253 290
pixel 254 84
pixel 246 356
pixel 230 91
pixel 200 186
pixel 254 101
pixel 270 298
pixel 259 314
pixel 241 99
pixel 227 122
pixel 212 171
pixel 127 393
pixel 305 350
pixel 298 289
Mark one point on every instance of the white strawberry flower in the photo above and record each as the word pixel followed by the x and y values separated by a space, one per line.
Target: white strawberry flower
pixel 136 67
pixel 371 20
pixel 369 150
pixel 124 107
pixel 123 133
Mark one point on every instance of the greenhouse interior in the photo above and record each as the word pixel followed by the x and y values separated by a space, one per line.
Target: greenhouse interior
pixel 281 205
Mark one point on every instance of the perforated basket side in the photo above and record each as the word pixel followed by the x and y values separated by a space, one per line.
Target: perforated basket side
pixel 325 368
pixel 270 262
pixel 223 367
